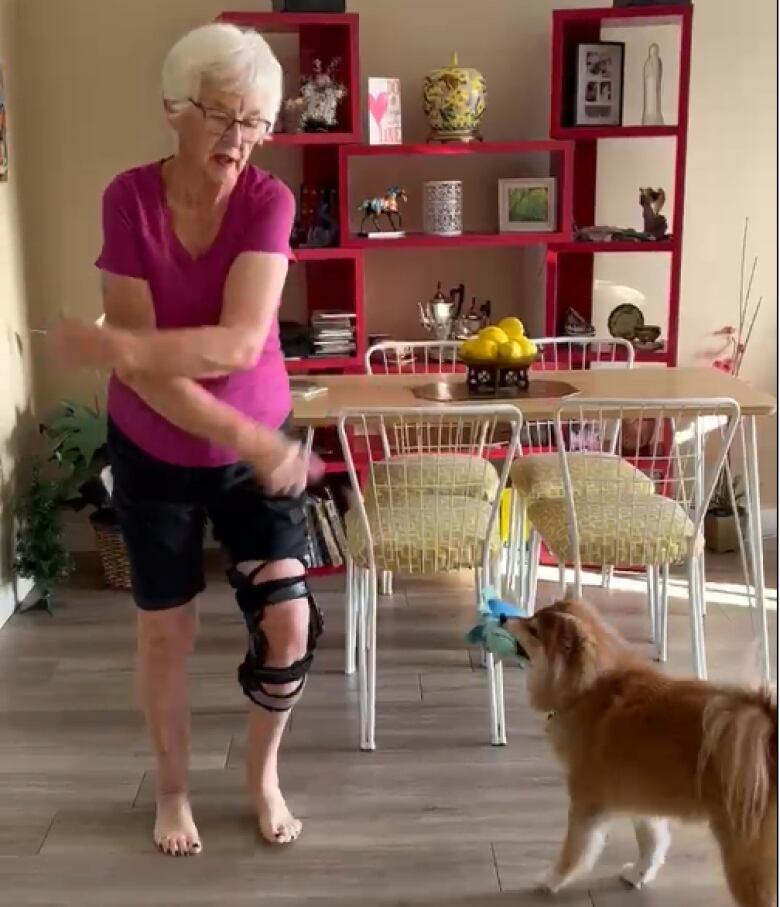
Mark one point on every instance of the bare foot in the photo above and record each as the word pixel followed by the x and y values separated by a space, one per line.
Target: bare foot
pixel 277 824
pixel 175 833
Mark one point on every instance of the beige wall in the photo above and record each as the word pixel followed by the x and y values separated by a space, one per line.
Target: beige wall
pixel 14 341
pixel 91 107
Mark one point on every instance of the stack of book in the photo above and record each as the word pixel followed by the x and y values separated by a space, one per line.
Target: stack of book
pixel 327 542
pixel 332 332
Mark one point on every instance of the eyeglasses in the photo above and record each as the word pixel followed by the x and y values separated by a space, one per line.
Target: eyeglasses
pixel 219 122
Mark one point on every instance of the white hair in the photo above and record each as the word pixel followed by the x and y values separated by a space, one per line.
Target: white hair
pixel 230 57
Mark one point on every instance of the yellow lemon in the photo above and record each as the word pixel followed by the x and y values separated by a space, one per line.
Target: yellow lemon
pixel 528 347
pixel 510 351
pixel 483 348
pixel 493 333
pixel 512 327
pixel 467 348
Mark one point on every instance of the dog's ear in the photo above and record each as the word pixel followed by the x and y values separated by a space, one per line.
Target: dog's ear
pixel 570 648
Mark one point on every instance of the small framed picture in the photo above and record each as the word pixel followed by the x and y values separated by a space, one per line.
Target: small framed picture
pixel 599 84
pixel 527 205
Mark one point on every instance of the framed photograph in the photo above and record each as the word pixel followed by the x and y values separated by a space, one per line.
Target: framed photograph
pixel 599 84
pixel 527 205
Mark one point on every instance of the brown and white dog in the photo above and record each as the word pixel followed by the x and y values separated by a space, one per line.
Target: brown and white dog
pixel 636 742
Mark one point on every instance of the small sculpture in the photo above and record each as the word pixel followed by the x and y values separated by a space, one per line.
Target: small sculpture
pixel 652 201
pixel 653 74
pixel 575 325
pixel 324 230
pixel 373 208
pixel 321 95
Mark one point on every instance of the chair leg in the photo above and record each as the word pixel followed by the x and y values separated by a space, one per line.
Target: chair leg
pixel 533 568
pixel 663 615
pixel 495 673
pixel 367 662
pixel 386 582
pixel 351 620
pixel 697 622
pixel 652 601
pixel 520 577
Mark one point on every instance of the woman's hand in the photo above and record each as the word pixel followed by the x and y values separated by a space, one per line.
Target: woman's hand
pixel 284 469
pixel 79 344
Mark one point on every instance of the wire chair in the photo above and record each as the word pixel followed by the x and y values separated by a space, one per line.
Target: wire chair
pixel 415 513
pixel 610 517
pixel 536 474
pixel 396 357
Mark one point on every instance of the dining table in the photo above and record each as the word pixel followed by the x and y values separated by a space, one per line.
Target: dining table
pixel 363 392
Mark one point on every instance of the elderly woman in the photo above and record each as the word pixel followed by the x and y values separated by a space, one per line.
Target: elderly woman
pixel 194 258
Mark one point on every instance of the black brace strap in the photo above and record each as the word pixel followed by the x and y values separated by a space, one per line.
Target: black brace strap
pixel 253 674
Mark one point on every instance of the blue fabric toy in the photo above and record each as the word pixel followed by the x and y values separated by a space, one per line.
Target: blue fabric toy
pixel 490 634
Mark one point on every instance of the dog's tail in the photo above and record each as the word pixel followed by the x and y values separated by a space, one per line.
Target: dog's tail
pixel 739 745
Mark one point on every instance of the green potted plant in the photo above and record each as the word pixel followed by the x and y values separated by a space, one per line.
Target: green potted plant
pixel 77 441
pixel 40 549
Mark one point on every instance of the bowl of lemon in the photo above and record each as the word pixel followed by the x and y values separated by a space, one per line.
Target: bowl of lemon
pixel 498 358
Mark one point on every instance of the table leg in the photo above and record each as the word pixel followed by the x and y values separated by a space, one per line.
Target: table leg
pixel 754 536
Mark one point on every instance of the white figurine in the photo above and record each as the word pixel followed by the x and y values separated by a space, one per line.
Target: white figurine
pixel 653 73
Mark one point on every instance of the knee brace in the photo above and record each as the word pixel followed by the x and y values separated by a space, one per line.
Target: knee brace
pixel 253 673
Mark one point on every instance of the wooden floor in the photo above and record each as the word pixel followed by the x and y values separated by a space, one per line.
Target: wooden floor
pixel 435 817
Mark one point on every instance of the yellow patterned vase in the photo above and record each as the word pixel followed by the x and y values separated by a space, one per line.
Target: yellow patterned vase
pixel 454 100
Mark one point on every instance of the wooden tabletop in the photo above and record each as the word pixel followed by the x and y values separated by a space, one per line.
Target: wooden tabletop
pixel 354 391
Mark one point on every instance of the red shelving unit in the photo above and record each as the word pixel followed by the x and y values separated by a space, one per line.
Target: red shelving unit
pixel 570 265
pixel 561 167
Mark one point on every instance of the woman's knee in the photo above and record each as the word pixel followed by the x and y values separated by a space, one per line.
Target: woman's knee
pixel 168 633
pixel 284 624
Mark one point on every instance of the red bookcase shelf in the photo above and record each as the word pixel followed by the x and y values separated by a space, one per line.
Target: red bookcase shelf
pixel 465 240
pixel 312 138
pixel 561 167
pixel 570 265
pixel 592 248
pixel 334 276
pixel 321 364
pixel 614 132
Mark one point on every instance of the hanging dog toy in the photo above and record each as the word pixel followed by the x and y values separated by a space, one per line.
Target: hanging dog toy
pixel 489 632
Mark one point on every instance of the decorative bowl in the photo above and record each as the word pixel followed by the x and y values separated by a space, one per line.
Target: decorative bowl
pixel 496 377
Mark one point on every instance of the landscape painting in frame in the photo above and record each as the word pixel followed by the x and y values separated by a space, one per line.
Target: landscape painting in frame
pixel 526 205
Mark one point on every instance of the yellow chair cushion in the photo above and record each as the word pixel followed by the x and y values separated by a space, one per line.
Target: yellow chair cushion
pixel 434 534
pixel 646 529
pixel 539 475
pixel 435 473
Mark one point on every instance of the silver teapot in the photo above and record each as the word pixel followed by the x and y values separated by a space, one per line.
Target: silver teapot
pixel 440 315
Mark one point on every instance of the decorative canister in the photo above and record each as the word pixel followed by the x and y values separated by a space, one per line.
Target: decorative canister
pixel 454 101
pixel 443 207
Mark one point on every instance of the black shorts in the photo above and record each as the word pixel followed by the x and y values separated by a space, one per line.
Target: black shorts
pixel 163 509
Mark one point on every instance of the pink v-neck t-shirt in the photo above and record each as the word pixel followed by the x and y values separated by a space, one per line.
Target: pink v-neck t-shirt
pixel 138 241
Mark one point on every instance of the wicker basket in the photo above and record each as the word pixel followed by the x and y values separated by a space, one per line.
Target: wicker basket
pixel 113 554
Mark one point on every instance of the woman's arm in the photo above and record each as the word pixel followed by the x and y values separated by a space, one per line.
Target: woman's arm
pixel 128 306
pixel 251 297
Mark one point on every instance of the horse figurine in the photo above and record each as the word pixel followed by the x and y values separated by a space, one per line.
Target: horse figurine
pixel 388 205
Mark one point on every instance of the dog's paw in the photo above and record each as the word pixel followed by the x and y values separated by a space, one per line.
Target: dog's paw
pixel 549 883
pixel 637 876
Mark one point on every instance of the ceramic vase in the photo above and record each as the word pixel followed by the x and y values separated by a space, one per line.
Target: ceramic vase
pixel 454 100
